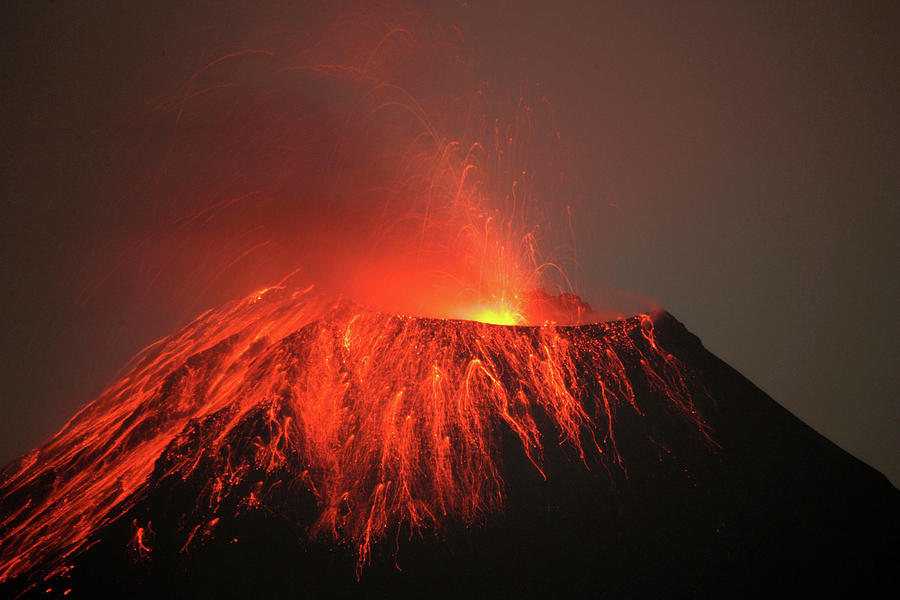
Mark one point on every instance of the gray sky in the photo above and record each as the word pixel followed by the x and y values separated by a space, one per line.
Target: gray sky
pixel 737 162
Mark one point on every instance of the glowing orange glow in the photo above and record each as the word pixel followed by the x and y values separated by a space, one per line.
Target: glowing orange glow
pixel 500 313
pixel 500 316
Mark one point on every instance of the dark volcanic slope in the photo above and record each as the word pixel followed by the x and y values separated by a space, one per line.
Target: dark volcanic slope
pixel 763 505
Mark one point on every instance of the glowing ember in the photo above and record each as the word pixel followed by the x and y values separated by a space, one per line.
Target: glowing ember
pixel 394 421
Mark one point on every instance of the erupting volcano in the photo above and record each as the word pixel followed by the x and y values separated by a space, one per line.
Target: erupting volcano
pixel 425 407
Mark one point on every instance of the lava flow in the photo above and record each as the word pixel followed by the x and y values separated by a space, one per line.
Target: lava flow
pixel 391 421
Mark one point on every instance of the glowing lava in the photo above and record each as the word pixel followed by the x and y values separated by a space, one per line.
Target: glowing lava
pixel 394 420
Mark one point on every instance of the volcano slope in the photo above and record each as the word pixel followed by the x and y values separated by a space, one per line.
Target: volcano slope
pixel 288 446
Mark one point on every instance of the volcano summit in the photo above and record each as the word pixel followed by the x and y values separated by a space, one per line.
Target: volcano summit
pixel 292 443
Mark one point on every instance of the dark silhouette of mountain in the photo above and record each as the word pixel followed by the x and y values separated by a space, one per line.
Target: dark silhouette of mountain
pixel 725 495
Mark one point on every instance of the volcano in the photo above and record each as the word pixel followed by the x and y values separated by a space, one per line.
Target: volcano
pixel 292 444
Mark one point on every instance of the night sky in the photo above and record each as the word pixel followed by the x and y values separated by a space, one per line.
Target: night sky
pixel 736 162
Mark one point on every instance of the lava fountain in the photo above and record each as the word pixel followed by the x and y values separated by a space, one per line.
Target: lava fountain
pixel 384 390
